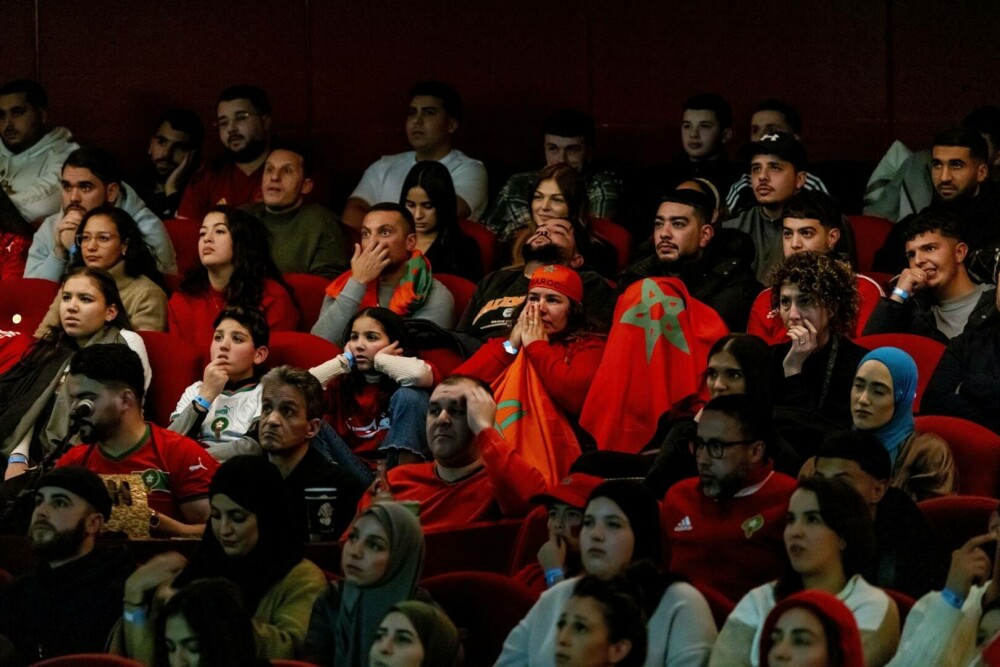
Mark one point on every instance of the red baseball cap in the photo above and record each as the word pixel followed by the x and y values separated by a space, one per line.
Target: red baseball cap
pixel 572 490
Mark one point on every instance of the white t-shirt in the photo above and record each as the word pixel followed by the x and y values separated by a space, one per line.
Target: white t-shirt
pixel 383 180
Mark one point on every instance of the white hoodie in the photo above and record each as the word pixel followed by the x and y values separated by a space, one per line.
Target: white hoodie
pixel 35 174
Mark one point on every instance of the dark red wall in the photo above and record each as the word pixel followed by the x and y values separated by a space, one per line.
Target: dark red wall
pixel 862 71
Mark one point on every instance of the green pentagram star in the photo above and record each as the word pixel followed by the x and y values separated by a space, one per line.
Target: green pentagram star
pixel 667 325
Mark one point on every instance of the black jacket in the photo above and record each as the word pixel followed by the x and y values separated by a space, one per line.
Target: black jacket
pixel 966 382
pixel 914 316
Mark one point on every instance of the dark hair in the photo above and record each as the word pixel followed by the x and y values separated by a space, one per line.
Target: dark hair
pixel 640 506
pixel 754 357
pixel 945 223
pixel 844 512
pixel 702 203
pixel 33 92
pixel 452 380
pixel 435 180
pixel 814 205
pixel 101 163
pixel 985 120
pixel 791 114
pixel 573 188
pixel 300 150
pixel 353 383
pixel 138 259
pixel 753 416
pixel 965 137
pixel 829 280
pixel 303 382
pixel 393 207
pixel 862 447
pixel 450 100
pixel 252 262
pixel 214 610
pixel 623 616
pixel 712 102
pixel 113 364
pixel 252 319
pixel 186 121
pixel 245 91
pixel 570 123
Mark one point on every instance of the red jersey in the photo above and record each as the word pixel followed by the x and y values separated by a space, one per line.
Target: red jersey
pixel 222 185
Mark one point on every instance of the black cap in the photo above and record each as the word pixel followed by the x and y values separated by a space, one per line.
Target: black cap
pixel 84 483
pixel 782 144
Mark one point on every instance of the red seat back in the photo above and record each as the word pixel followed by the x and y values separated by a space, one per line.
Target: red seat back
pixel 533 534
pixel 309 291
pixel 903 602
pixel 443 359
pixel 953 520
pixel 24 303
pixel 926 352
pixel 88 660
pixel 485 605
pixel 184 235
pixel 482 546
pixel 175 365
pixel 298 349
pixel 284 662
pixel 460 288
pixel 616 235
pixel 870 233
pixel 976 450
pixel 485 239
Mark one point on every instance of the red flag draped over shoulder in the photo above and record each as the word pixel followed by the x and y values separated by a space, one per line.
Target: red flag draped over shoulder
pixel 534 425
pixel 656 354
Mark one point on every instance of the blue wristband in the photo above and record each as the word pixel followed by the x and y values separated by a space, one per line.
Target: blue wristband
pixel 203 402
pixel 135 615
pixel 553 576
pixel 952 598
pixel 507 345
pixel 350 359
pixel 17 458
pixel 901 293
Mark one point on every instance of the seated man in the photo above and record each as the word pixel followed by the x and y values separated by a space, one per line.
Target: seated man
pixel 244 123
pixel 222 406
pixel 174 155
pixel 715 268
pixel 935 297
pixel 386 270
pixel 812 223
pixel 906 556
pixel 90 179
pixel 725 527
pixel 769 117
pixel 31 154
pixel 175 469
pixel 305 238
pixel 69 602
pixel 777 165
pixel 291 417
pixel 475 475
pixel 432 120
pixel 568 137
pixel 490 312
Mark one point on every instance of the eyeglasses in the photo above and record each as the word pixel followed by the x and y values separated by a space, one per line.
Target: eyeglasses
pixel 223 121
pixel 104 238
pixel 716 448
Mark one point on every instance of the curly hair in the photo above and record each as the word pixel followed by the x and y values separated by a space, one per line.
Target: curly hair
pixel 829 280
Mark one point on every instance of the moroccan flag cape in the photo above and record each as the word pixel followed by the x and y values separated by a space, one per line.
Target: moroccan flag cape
pixel 410 293
pixel 656 354
pixel 535 426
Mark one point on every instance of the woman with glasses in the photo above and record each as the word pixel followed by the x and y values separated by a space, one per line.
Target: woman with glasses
pixel 108 238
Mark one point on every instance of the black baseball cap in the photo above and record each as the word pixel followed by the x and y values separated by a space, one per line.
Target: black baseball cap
pixel 782 144
pixel 84 483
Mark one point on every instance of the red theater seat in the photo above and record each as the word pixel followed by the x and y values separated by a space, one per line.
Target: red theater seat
pixel 24 303
pixel 953 520
pixel 298 349
pixel 870 233
pixel 926 352
pixel 88 660
pixel 309 291
pixel 460 288
pixel 486 240
pixel 533 534
pixel 616 235
pixel 175 365
pixel 184 235
pixel 976 450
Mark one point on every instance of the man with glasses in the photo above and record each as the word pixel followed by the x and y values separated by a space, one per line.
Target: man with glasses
pixel 243 120
pixel 725 527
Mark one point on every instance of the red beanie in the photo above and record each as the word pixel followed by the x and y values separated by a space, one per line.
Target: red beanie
pixel 559 278
pixel 824 606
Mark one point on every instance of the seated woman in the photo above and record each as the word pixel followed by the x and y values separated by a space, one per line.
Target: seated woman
pixel 621 535
pixel 108 238
pixel 818 302
pixel 563 345
pixel 829 541
pixel 236 270
pixel 381 560
pixel 252 542
pixel 378 389
pixel 882 403
pixel 34 409
pixel 429 194
pixel 206 624
pixel 415 634
pixel 811 628
pixel 603 625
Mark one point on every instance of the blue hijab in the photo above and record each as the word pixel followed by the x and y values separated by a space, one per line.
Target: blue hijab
pixel 904 390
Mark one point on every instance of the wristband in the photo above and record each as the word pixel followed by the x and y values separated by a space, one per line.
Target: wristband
pixel 203 402
pixel 952 598
pixel 350 359
pixel 901 293
pixel 553 576
pixel 135 614
pixel 507 345
pixel 17 458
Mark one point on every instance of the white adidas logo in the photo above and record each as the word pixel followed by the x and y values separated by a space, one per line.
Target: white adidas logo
pixel 683 524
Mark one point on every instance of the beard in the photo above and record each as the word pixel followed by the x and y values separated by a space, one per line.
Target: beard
pixel 253 150
pixel 546 254
pixel 62 545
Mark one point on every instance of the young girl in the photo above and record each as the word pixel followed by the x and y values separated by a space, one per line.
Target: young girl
pixel 236 270
pixel 603 625
pixel 381 560
pixel 379 389
pixel 108 238
pixel 34 410
pixel 415 634
pixel 811 629
pixel 429 194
